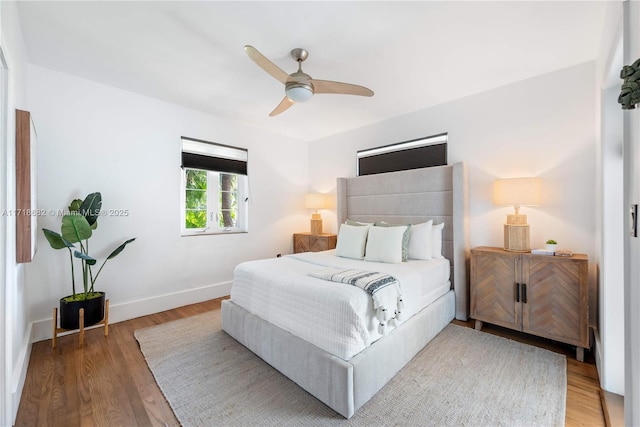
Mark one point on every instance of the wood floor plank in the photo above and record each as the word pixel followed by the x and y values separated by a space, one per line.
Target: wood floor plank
pixel 153 403
pixel 108 383
pixel 41 374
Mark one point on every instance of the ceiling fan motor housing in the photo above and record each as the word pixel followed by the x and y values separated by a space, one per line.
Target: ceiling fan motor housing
pixel 299 88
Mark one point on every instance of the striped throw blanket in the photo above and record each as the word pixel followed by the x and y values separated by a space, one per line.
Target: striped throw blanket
pixel 383 288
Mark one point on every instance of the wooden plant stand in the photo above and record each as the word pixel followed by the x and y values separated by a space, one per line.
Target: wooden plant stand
pixel 57 330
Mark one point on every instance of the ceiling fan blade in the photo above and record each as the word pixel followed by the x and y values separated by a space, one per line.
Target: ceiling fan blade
pixel 283 106
pixel 326 86
pixel 265 64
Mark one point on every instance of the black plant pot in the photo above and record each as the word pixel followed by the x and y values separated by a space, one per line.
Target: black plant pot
pixel 70 312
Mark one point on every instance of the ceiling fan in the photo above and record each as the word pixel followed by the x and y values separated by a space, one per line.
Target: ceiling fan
pixel 299 86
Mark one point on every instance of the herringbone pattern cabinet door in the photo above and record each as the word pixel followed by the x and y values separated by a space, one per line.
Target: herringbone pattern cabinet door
pixel 556 299
pixel 322 243
pixel 493 290
pixel 307 242
pixel 300 243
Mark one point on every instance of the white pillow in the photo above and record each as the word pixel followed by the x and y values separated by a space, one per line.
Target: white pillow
pixel 405 238
pixel 351 241
pixel 384 244
pixel 436 240
pixel 420 241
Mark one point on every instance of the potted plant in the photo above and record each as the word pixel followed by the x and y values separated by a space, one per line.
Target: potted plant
pixel 77 227
pixel 551 245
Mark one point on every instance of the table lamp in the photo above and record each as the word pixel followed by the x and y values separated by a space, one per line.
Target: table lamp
pixel 517 192
pixel 315 201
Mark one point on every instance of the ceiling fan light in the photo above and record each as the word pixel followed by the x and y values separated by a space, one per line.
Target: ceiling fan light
pixel 299 92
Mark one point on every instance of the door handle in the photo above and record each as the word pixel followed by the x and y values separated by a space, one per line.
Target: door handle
pixel 524 293
pixel 517 292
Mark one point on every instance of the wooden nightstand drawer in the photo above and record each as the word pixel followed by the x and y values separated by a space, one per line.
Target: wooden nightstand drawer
pixel 307 242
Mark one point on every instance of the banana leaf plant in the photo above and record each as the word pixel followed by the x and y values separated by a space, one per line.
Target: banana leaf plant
pixel 77 227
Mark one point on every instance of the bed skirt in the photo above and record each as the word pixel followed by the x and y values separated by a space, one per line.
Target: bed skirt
pixel 342 385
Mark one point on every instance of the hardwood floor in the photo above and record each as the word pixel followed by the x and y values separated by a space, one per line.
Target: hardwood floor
pixel 108 383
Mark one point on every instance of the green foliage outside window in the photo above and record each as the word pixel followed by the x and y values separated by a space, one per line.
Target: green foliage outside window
pixel 196 199
pixel 228 200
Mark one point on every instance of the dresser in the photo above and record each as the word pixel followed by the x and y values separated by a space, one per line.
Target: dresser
pixel 542 295
pixel 308 242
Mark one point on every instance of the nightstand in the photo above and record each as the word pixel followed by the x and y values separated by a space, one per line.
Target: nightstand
pixel 307 242
pixel 541 295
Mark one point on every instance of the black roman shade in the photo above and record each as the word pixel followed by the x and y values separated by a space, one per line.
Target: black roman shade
pixel 414 154
pixel 210 156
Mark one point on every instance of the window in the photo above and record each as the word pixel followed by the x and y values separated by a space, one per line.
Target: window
pixel 215 188
pixel 414 154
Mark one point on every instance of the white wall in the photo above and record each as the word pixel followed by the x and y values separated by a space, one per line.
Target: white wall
pixel 609 232
pixel 14 342
pixel 93 137
pixel 542 127
pixel 611 272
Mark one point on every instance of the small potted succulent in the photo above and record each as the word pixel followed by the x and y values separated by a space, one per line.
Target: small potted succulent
pixel 551 245
pixel 77 227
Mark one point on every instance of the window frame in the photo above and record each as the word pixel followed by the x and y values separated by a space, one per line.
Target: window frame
pixel 413 154
pixel 214 191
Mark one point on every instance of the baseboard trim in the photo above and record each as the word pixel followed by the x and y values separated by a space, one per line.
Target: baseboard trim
pixel 612 404
pixel 597 353
pixel 613 408
pixel 19 375
pixel 42 329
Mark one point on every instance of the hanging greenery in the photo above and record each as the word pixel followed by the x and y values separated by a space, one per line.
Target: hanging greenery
pixel 630 89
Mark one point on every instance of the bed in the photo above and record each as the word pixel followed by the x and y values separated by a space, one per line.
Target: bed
pixel 344 369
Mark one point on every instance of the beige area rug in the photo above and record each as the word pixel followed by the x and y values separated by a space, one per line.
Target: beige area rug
pixel 461 378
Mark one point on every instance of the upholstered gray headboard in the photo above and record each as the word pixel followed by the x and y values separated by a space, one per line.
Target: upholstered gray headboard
pixel 412 197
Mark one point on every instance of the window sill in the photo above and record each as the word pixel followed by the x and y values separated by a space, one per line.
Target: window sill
pixel 211 233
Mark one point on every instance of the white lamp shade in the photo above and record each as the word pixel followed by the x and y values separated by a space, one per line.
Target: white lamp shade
pixel 517 192
pixel 315 201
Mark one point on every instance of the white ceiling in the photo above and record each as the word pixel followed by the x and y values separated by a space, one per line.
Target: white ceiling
pixel 411 54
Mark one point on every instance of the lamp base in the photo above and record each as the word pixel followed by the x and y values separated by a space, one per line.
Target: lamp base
pixel 517 219
pixel 316 224
pixel 516 238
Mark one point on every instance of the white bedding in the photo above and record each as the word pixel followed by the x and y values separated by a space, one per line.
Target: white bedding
pixel 336 317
